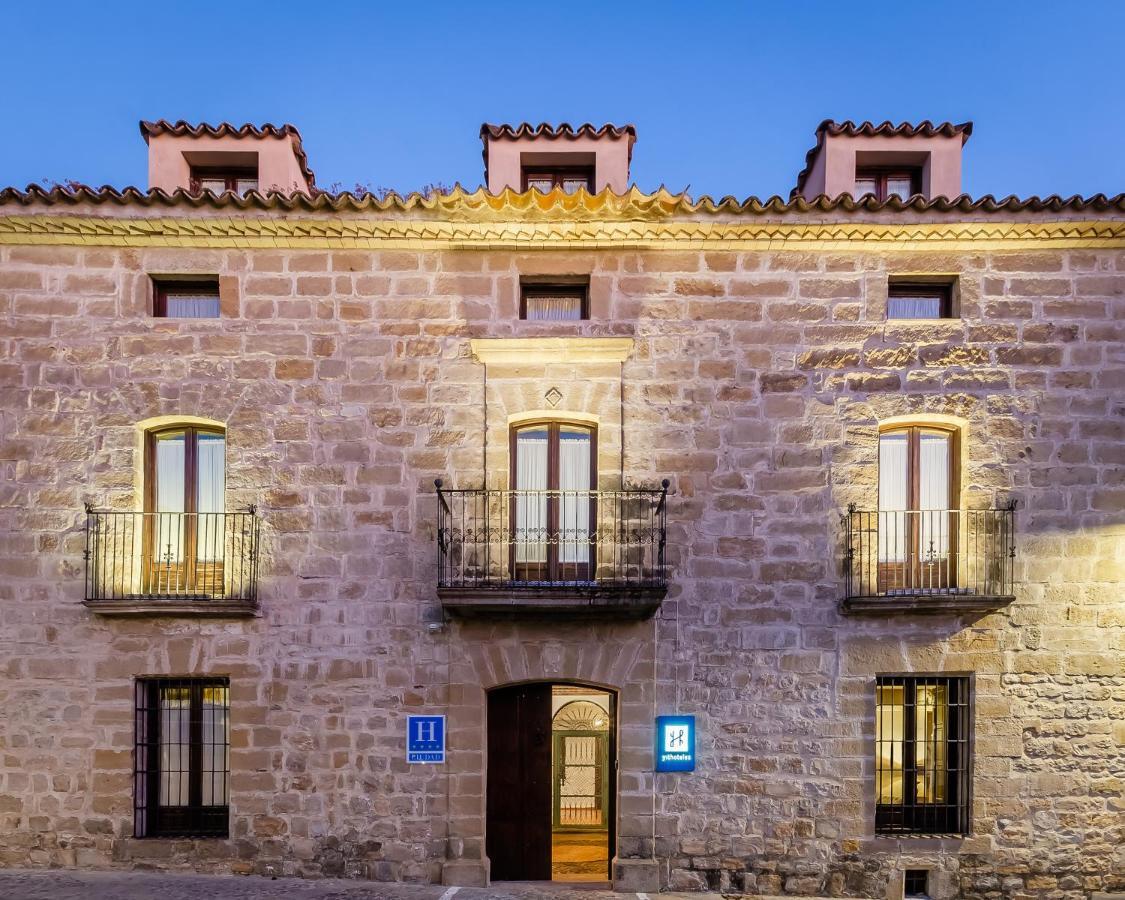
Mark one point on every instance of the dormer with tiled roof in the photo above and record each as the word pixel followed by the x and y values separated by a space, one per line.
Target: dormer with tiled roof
pixel 884 160
pixel 225 157
pixel 545 157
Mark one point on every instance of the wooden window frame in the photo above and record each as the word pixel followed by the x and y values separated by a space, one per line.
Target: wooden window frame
pixel 556 571
pixel 954 816
pixel 161 288
pixel 906 289
pixel 231 175
pixel 558 174
pixel 913 570
pixel 192 572
pixel 544 289
pixel 882 174
pixel 193 819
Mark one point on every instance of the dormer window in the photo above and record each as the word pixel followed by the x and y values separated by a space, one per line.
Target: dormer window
pixel 213 178
pixel 569 178
pixel 883 183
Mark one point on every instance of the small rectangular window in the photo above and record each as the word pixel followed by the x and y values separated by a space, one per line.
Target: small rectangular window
pixel 181 782
pixel 196 299
pixel 569 178
pixel 239 180
pixel 916 883
pixel 883 183
pixel 922 772
pixel 554 302
pixel 919 300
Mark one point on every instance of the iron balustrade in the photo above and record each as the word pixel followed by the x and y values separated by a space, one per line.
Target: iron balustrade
pixel 543 539
pixel 172 555
pixel 929 552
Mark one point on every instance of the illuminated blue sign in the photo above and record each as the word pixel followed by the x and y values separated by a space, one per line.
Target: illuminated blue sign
pixel 425 739
pixel 675 743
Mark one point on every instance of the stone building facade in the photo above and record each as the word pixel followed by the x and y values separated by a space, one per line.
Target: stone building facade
pixel 366 347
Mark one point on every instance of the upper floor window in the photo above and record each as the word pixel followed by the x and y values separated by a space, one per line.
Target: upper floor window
pixel 569 178
pixel 219 179
pixel 185 502
pixel 882 183
pixel 922 762
pixel 196 299
pixel 182 757
pixel 918 516
pixel 915 300
pixel 554 472
pixel 558 301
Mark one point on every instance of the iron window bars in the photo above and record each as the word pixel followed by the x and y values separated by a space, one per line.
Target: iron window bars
pixel 534 539
pixel 171 555
pixel 922 759
pixel 181 757
pixel 929 552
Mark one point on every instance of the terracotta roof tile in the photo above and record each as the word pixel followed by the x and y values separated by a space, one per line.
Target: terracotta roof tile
pixel 226 129
pixel 558 202
pixel 849 128
pixel 563 130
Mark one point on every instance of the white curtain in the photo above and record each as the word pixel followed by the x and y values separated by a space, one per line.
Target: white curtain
pixel 531 510
pixel 574 508
pixel 175 745
pixel 914 307
pixel 168 530
pixel 565 309
pixel 192 306
pixel 210 495
pixel 933 487
pixel 893 496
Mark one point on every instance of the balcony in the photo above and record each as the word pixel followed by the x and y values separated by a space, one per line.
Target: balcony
pixel 552 552
pixel 930 560
pixel 170 563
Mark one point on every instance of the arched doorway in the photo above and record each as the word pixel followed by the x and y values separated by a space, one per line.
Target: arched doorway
pixel 552 782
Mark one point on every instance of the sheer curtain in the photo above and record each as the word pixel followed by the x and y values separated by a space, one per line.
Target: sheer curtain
pixel 914 307
pixel 554 309
pixel 574 508
pixel 196 305
pixel 933 494
pixel 168 530
pixel 210 495
pixel 893 496
pixel 531 509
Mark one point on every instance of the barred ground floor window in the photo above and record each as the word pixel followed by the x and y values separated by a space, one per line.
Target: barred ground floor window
pixel 922 759
pixel 182 757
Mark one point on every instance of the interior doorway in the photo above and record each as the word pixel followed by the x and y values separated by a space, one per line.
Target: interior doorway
pixel 552 782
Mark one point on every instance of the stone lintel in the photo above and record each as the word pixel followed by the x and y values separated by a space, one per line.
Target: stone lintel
pixel 547 350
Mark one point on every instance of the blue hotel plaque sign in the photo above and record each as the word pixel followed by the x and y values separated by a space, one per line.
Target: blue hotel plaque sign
pixel 675 743
pixel 425 739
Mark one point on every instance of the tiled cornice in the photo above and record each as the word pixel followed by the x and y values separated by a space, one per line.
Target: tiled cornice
pixel 523 234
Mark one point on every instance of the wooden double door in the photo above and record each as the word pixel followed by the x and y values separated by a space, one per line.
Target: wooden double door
pixel 521 792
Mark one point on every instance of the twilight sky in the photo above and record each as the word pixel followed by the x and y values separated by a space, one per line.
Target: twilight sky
pixel 725 96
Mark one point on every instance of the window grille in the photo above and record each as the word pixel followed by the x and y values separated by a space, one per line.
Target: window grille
pixel 182 757
pixel 922 762
pixel 916 883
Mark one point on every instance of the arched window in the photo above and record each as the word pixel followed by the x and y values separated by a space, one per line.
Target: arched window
pixel 185 502
pixel 554 476
pixel 918 499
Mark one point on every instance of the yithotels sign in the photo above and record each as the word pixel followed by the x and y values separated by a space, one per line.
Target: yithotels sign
pixel 675 743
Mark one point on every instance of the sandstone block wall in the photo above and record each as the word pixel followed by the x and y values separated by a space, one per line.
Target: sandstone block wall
pixel 757 384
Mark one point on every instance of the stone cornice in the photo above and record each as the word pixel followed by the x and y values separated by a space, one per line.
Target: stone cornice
pixel 245 232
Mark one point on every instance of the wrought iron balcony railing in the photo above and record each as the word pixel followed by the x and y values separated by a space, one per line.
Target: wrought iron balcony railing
pixel 936 553
pixel 552 540
pixel 171 556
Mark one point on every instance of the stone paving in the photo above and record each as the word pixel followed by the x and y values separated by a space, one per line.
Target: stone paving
pixel 75 885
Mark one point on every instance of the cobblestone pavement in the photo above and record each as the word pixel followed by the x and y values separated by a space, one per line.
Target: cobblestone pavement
pixel 73 885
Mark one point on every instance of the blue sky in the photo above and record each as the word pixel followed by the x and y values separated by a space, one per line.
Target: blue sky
pixel 725 96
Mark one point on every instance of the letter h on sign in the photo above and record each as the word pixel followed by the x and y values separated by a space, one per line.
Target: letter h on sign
pixel 425 739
